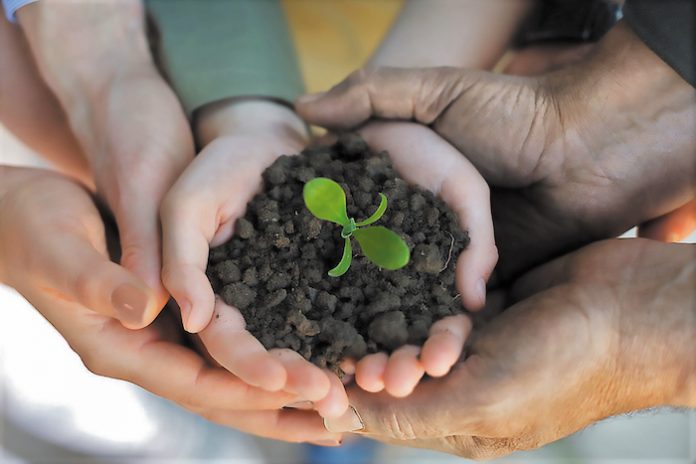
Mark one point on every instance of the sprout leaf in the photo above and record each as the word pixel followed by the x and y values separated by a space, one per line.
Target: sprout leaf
pixel 326 200
pixel 346 259
pixel 377 214
pixel 383 247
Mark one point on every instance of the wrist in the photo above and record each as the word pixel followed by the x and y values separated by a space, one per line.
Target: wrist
pixel 657 332
pixel 80 49
pixel 249 117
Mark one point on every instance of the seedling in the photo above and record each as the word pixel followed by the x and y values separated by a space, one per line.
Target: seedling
pixel 326 200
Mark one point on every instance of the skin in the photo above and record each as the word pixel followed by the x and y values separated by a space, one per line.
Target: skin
pixel 126 120
pixel 60 221
pixel 592 334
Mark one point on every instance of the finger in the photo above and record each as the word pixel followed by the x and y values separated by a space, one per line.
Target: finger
pixel 449 175
pixel 304 379
pixel 139 234
pixel 389 93
pixel 178 374
pixel 287 425
pixel 231 345
pixel 369 373
pixel 185 240
pixel 672 227
pixel 335 403
pixel 403 372
pixel 444 345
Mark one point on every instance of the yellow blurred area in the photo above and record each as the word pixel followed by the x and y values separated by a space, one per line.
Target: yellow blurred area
pixel 335 37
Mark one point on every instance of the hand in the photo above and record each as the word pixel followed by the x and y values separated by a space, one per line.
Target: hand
pixel 576 155
pixel 241 139
pixel 127 120
pixel 604 331
pixel 423 158
pixel 53 251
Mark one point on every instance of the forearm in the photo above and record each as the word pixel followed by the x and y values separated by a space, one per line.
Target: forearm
pixel 80 49
pixel 230 50
pixel 460 33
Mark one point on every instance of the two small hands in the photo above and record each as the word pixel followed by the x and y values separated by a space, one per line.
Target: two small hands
pixel 554 162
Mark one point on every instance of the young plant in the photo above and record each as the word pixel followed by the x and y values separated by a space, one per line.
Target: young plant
pixel 326 200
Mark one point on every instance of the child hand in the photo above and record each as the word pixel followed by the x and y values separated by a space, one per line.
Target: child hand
pixel 422 157
pixel 200 211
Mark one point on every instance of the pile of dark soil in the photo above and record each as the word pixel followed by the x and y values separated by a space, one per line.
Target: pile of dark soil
pixel 274 269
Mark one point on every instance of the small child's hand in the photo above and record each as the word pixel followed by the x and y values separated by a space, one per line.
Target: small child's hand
pixel 240 140
pixel 424 158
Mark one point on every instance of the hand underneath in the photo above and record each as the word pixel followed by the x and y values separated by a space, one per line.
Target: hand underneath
pixel 129 123
pixel 53 251
pixel 606 330
pixel 572 156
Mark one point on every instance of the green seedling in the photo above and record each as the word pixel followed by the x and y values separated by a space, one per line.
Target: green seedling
pixel 326 200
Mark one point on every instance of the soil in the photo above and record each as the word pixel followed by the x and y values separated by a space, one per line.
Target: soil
pixel 274 268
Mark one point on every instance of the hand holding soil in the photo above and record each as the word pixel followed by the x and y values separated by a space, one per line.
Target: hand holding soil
pixel 592 334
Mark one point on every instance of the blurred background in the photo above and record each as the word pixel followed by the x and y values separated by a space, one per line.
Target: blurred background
pixel 53 411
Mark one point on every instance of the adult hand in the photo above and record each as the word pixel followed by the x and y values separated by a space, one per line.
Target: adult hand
pixel 603 331
pixel 129 123
pixel 53 251
pixel 576 155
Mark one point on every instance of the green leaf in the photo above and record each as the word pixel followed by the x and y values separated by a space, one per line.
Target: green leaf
pixel 377 214
pixel 346 259
pixel 326 200
pixel 383 247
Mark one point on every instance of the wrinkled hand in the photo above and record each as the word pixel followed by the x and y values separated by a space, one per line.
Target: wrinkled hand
pixel 53 251
pixel 575 155
pixel 603 331
pixel 423 158
pixel 129 123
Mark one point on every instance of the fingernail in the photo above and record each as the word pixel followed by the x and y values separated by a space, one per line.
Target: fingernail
pixel 326 442
pixel 349 422
pixel 130 303
pixel 481 291
pixel 185 308
pixel 300 405
pixel 310 97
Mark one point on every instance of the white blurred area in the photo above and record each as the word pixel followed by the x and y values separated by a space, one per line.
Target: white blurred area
pixel 53 411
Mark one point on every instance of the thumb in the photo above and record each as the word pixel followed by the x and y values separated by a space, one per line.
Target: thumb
pixel 75 268
pixel 437 408
pixel 419 94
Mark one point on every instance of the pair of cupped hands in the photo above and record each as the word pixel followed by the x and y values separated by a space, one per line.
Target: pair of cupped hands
pixel 554 162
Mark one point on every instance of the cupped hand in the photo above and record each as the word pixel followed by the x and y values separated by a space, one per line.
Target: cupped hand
pixel 423 158
pixel 53 251
pixel 129 123
pixel 572 156
pixel 241 139
pixel 603 331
